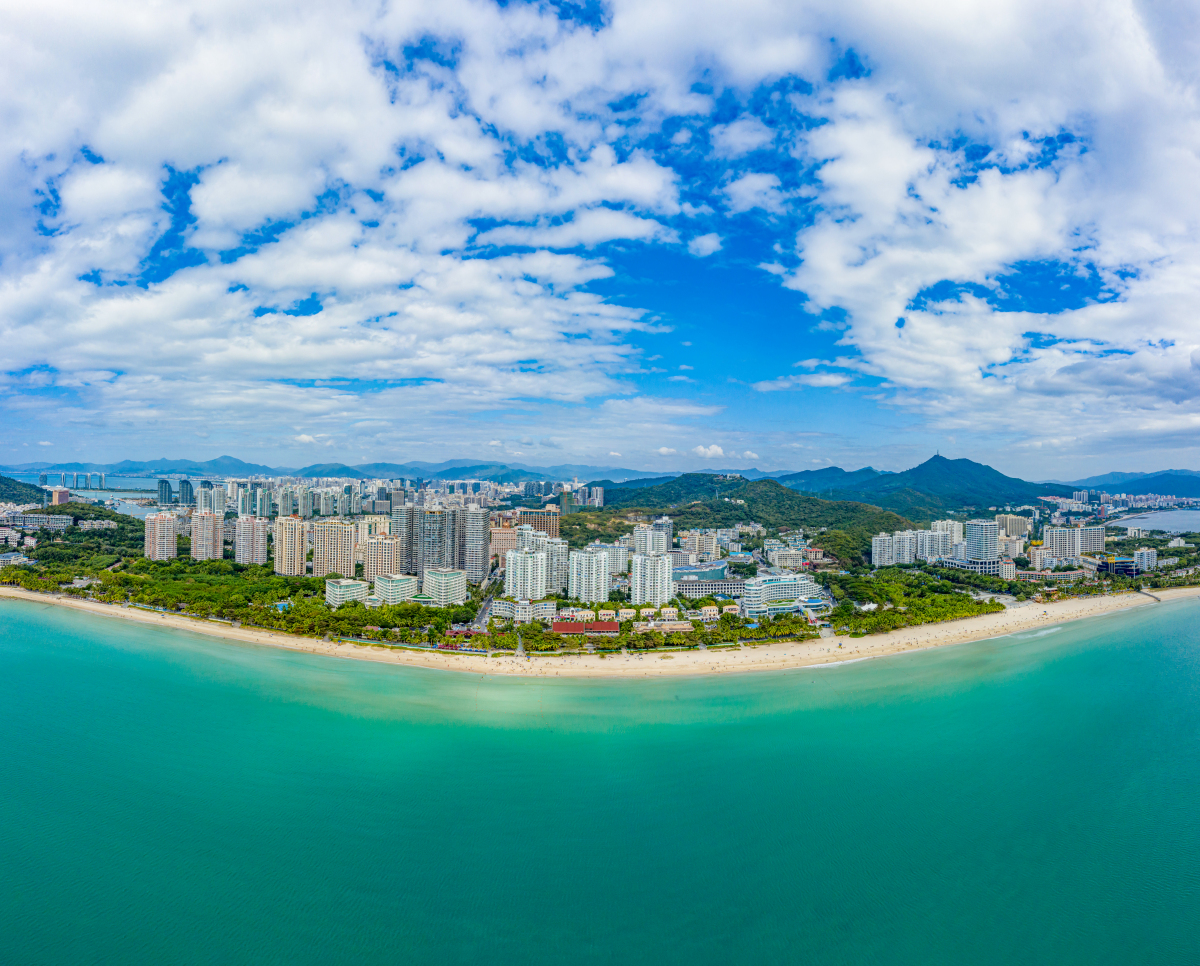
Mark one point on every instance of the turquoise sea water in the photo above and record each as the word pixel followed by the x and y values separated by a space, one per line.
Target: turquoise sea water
pixel 166 798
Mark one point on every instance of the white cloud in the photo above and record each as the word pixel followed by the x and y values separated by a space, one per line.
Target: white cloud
pixel 708 452
pixel 689 368
pixel 823 380
pixel 494 442
pixel 703 245
pixel 613 454
pixel 383 191
pixel 744 135
pixel 665 451
pixel 754 190
pixel 749 455
pixel 43 442
pixel 304 438
pixel 589 228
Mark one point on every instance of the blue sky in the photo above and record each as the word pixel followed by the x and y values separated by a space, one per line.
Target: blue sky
pixel 656 235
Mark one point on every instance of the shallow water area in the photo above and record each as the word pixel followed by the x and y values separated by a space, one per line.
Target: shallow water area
pixel 173 798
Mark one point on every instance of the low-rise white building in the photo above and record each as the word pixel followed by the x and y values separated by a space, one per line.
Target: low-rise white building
pixel 447 587
pixel 769 596
pixel 396 588
pixel 524 611
pixel 343 590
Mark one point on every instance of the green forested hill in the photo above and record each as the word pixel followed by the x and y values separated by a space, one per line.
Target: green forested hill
pixel 14 491
pixel 681 489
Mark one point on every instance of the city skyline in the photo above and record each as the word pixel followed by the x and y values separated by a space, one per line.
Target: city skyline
pixel 670 239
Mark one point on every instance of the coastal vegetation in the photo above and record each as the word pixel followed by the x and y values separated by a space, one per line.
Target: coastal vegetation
pixel 729 630
pixel 891 598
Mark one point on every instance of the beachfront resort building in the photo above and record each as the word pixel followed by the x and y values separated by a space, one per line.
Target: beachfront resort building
pixel 524 611
pixel 981 549
pixel 589 578
pixel 784 594
pixel 525 574
pixel 1069 542
pixel 650 579
pixel 1146 558
pixel 445 586
pixel 343 590
pixel 394 589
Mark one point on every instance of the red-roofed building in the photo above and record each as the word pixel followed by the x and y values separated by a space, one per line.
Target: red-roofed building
pixel 582 629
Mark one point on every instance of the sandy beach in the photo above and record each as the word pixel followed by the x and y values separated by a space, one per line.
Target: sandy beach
pixel 762 657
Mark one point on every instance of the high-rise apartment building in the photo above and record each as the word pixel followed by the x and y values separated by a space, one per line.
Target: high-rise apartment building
pixel 433 540
pixel 208 536
pixel 164 490
pixel 651 579
pixel 1014 525
pixel 477 537
pixel 250 540
pixel 952 527
pixel 502 540
pixel 544 520
pixel 558 555
pixel 291 546
pixel 934 544
pixel 525 574
pixel 211 499
pixel 380 556
pixel 648 539
pixel 618 555
pixel 160 536
pixel 333 549
pixel 1064 542
pixel 1145 558
pixel 187 496
pixel 666 526
pixel 982 539
pixel 589 578
pixel 402 528
pixel 904 546
pixel 881 551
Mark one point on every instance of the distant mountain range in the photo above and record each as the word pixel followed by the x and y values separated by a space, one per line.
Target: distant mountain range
pixel 1119 481
pixel 231 466
pixel 936 487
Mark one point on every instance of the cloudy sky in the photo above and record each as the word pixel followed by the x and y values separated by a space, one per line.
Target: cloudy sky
pixel 649 234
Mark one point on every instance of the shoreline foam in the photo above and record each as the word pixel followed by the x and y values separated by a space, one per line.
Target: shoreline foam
pixel 827 651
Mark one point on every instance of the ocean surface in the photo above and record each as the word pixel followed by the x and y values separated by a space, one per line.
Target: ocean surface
pixel 168 798
pixel 1182 521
